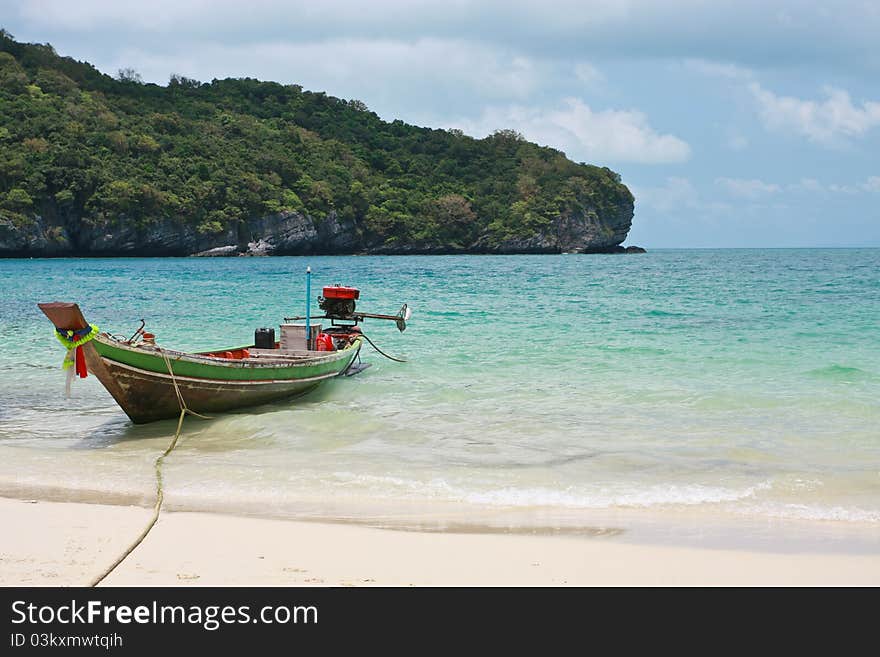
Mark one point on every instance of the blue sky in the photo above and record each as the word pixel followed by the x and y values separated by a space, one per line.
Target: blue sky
pixel 735 124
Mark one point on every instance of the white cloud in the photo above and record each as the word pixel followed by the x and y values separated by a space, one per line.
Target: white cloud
pixel 811 185
pixel 825 122
pixel 718 69
pixel 675 194
pixel 754 31
pixel 584 134
pixel 872 184
pixel 737 143
pixel 367 70
pixel 747 188
pixel 806 185
pixel 587 73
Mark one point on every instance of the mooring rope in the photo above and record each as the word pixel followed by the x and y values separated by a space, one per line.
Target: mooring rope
pixel 160 495
pixel 180 401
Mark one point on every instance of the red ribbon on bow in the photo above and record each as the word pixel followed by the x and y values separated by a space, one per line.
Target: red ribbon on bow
pixel 80 359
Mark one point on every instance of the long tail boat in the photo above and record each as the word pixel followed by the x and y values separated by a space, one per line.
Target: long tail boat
pixel 150 382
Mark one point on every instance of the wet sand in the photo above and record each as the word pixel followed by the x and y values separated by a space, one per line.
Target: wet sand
pixel 68 544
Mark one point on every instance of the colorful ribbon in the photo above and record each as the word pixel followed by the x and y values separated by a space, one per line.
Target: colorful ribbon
pixel 72 339
pixel 73 342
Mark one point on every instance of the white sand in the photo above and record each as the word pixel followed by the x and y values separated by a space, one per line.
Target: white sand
pixel 57 544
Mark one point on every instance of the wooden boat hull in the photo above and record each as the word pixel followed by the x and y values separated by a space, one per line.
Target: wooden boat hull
pixel 142 386
pixel 145 379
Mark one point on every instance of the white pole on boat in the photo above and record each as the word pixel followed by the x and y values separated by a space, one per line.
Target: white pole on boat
pixel 308 309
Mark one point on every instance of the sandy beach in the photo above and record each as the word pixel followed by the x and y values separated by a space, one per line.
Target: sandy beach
pixel 68 544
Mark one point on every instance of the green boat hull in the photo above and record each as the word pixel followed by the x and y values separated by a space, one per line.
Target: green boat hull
pixel 142 379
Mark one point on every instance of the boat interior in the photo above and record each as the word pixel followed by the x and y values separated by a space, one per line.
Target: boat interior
pixel 276 354
pixel 230 354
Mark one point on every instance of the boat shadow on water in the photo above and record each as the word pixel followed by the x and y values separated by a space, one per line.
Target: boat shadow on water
pixel 121 430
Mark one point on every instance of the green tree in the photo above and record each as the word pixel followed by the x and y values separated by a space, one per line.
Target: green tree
pixel 129 75
pixel 97 149
pixel 17 200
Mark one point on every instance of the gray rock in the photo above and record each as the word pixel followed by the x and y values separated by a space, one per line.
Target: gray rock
pixel 36 238
pixel 584 232
pixel 219 252
pixel 160 237
pixel 259 248
pixel 291 233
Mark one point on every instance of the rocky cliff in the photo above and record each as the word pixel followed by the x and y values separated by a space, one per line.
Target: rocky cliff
pixel 288 233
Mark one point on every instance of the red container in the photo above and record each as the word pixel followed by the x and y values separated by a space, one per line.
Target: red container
pixel 324 342
pixel 341 292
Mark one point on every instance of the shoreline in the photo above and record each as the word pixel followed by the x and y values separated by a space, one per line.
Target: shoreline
pixel 395 254
pixel 684 527
pixel 69 543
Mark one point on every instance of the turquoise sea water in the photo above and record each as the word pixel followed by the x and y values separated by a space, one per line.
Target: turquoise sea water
pixel 686 395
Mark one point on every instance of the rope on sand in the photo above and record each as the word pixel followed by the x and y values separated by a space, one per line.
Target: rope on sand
pixel 160 496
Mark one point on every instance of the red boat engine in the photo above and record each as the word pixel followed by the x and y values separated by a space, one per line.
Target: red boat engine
pixel 338 301
pixel 338 304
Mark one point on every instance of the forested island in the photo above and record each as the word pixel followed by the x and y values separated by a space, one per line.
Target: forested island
pixel 92 165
